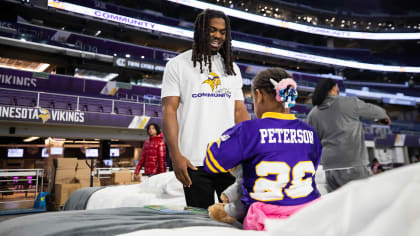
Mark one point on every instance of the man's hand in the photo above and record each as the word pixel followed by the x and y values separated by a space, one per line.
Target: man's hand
pixel 170 129
pixel 385 121
pixel 388 120
pixel 180 165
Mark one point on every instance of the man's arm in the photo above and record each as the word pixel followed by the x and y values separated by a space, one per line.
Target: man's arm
pixel 371 111
pixel 241 114
pixel 170 128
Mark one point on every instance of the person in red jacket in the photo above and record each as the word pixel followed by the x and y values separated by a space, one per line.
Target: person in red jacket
pixel 153 154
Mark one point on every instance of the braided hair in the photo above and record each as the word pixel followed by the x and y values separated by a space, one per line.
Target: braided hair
pixel 201 51
pixel 321 91
pixel 262 80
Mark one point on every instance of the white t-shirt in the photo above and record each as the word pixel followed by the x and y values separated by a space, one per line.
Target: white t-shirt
pixel 207 102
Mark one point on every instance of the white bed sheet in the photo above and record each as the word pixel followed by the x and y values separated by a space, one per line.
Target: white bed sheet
pixel 386 204
pixel 162 189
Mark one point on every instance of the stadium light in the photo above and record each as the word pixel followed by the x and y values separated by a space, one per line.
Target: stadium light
pixel 6 62
pixel 245 46
pixel 299 27
pixel 30 139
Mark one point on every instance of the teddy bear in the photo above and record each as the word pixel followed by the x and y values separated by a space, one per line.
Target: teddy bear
pixel 231 209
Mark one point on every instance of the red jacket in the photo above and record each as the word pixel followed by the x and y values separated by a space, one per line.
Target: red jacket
pixel 152 156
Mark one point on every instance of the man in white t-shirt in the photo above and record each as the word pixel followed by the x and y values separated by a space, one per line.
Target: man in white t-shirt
pixel 202 97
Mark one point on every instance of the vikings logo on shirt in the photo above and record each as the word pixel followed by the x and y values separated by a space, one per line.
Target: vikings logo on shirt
pixel 222 139
pixel 213 80
pixel 45 115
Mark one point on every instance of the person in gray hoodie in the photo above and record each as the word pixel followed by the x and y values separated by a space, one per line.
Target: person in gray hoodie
pixel 337 122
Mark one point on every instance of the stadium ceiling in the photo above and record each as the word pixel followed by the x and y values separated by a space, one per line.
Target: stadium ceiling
pixel 245 46
pixel 299 27
pixel 389 7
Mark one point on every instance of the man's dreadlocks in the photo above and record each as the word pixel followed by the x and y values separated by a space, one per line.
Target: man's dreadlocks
pixel 201 51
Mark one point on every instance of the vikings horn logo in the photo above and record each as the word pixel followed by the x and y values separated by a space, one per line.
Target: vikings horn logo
pixel 213 80
pixel 57 4
pixel 45 115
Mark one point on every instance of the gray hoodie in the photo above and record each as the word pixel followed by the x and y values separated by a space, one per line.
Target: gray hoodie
pixel 337 123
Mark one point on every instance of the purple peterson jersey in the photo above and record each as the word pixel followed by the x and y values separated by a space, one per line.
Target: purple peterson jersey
pixel 279 156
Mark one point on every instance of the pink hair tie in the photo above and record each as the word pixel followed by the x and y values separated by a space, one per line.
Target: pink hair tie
pixel 286 91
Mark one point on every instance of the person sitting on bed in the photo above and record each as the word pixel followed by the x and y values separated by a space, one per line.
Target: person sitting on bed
pixel 279 154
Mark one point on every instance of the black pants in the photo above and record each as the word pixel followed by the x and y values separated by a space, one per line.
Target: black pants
pixel 201 192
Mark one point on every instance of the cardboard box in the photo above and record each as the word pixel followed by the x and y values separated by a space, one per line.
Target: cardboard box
pixel 122 176
pixel 96 182
pixel 87 184
pixel 81 164
pixel 106 181
pixel 129 183
pixel 122 163
pixel 83 174
pixel 84 183
pixel 63 191
pixel 64 176
pixel 66 163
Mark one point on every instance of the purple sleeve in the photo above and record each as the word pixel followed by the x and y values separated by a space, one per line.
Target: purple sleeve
pixel 224 153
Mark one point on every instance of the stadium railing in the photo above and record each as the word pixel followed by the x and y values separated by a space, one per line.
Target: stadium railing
pixel 24 98
pixel 344 53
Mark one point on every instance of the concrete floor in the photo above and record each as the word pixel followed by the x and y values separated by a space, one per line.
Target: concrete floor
pixel 15 202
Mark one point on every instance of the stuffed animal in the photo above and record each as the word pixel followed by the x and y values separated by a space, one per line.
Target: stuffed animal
pixel 231 208
pixel 217 212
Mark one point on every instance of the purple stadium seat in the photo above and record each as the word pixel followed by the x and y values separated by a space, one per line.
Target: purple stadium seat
pixel 153 110
pixel 44 104
pixel 95 105
pixel 57 101
pixel 5 101
pixel 128 108
pixel 26 102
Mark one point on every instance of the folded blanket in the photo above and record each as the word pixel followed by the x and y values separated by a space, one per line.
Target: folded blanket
pixel 161 189
pixel 102 222
pixel 78 200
